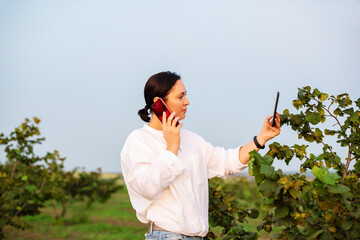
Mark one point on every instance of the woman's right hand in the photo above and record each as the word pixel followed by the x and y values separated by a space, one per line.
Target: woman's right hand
pixel 171 132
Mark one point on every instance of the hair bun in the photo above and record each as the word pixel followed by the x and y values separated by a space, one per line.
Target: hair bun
pixel 144 114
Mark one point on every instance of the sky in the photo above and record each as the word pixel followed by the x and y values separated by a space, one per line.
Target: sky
pixel 81 66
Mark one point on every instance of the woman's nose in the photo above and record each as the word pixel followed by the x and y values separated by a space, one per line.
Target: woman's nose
pixel 187 101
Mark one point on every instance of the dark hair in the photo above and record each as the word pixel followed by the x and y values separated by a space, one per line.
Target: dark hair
pixel 158 85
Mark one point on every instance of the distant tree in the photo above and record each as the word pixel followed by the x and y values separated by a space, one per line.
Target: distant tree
pixel 83 186
pixel 26 178
pixel 29 180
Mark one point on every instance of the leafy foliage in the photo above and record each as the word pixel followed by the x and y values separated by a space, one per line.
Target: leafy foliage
pixel 327 207
pixel 229 208
pixel 84 186
pixel 29 180
pixel 25 177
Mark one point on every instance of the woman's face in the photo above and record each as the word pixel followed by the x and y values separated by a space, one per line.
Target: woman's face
pixel 176 99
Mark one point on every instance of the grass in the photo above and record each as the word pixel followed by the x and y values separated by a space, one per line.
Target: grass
pixel 114 219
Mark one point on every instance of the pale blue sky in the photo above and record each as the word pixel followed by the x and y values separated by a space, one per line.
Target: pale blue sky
pixel 80 66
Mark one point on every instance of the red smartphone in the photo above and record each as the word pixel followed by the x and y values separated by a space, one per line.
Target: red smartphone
pixel 159 107
pixel 276 103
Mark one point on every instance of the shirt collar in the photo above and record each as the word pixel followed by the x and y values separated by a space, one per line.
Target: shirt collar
pixel 153 130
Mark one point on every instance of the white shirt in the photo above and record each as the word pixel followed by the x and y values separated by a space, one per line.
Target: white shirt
pixel 170 190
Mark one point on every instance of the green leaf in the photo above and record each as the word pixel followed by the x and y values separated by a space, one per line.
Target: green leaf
pixel 250 166
pixel 267 188
pixel 294 193
pixel 24 178
pixel 268 201
pixel 354 116
pixel 318 133
pixel 309 137
pixel 325 205
pixel 30 188
pixel 314 234
pixel 258 159
pixel 281 211
pixel 288 153
pixel 344 100
pixel 36 120
pixel 313 117
pixel 339 189
pixel 357 166
pixel 347 225
pixel 324 175
pixel 316 92
pixel 269 171
pixel 323 96
pixel 338 112
pixel 349 111
pixel 329 132
pixel 358 102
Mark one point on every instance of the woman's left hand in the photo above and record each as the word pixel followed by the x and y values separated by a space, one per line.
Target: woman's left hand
pixel 267 131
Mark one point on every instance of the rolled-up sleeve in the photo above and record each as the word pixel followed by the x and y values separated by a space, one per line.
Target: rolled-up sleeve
pixel 221 162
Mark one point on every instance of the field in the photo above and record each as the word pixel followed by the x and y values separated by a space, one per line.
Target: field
pixel 114 219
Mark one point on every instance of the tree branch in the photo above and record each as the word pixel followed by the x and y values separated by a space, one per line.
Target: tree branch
pixel 326 145
pixel 328 110
pixel 330 106
pixel 22 208
pixel 13 170
pixel 330 114
pixel 347 162
pixel 43 183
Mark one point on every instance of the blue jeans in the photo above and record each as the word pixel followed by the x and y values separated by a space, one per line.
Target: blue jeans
pixel 162 235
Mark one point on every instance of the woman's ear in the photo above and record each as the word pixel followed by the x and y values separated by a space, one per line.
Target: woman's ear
pixel 155 99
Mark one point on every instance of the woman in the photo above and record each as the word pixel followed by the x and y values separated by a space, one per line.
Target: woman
pixel 166 168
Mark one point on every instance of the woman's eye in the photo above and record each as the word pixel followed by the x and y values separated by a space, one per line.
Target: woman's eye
pixel 182 96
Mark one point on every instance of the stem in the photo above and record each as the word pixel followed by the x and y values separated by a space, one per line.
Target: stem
pixel 338 122
pixel 330 106
pixel 55 210
pixel 347 162
pixel 22 208
pixel 326 145
pixel 26 203
pixel 13 170
pixel 328 110
pixel 64 208
pixel 43 183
